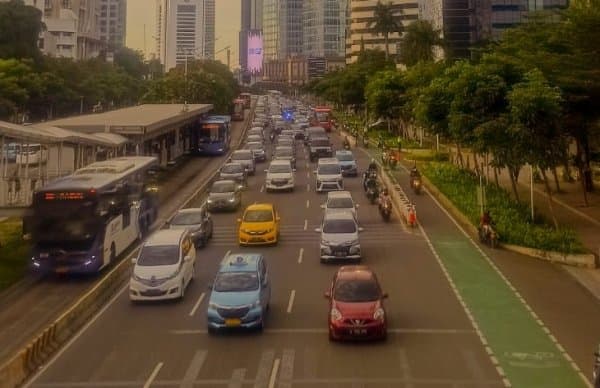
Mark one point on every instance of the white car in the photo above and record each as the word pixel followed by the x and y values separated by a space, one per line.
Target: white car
pixel 280 176
pixel 245 158
pixel 339 237
pixel 329 175
pixel 340 201
pixel 164 267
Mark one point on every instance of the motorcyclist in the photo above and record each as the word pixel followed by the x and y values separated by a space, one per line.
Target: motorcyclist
pixel 371 184
pixel 272 136
pixel 384 197
pixel 486 222
pixel 414 175
pixel 346 143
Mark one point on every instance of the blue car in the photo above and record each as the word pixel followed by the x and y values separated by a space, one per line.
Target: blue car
pixel 240 293
pixel 347 162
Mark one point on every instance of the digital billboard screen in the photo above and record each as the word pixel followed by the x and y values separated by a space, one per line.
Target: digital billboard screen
pixel 255 51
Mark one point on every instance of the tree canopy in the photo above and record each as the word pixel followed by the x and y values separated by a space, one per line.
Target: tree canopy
pixel 20 27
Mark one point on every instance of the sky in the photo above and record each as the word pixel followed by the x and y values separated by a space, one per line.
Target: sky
pixel 143 12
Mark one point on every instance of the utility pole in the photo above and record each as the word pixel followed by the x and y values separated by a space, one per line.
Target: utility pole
pixel 228 58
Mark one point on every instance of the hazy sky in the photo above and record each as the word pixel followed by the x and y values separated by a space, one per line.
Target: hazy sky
pixel 143 12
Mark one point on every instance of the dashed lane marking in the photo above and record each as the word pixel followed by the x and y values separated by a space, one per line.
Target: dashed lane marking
pixel 300 255
pixel 291 301
pixel 307 203
pixel 274 371
pixel 153 375
pixel 305 224
pixel 200 299
pixel 191 374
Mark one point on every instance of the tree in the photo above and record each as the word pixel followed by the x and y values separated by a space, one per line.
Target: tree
pixel 385 22
pixel 132 62
pixel 20 27
pixel 17 83
pixel 419 42
pixel 386 94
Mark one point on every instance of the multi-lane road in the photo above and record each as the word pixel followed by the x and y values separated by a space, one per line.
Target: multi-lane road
pixel 432 341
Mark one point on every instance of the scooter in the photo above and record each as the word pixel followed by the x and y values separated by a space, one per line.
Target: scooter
pixel 416 185
pixel 372 194
pixel 488 235
pixel 385 158
pixel 347 146
pixel 393 161
pixel 385 209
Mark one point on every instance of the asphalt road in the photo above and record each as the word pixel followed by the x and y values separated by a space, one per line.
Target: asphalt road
pixel 35 302
pixel 431 341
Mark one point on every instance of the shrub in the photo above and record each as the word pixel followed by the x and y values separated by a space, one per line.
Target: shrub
pixel 512 218
pixel 13 252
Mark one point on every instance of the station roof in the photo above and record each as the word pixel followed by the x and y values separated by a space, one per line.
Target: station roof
pixel 45 134
pixel 135 120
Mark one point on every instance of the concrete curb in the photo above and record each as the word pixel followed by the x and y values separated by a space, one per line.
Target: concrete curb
pixel 27 360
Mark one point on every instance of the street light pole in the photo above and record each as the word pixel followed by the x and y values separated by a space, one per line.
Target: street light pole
pixel 531 192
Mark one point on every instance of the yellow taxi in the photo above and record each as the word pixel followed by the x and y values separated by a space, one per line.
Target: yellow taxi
pixel 259 225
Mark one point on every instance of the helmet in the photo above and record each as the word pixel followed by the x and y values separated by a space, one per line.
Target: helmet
pixel 372 161
pixel 385 191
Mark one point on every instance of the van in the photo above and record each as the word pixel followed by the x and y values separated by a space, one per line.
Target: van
pixel 164 266
pixel 329 175
pixel 32 154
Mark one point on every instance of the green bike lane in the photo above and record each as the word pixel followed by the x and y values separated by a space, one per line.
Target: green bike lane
pixel 519 344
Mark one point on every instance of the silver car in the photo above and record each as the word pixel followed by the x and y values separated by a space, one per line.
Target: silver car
pixel 245 158
pixel 339 237
pixel 285 153
pixel 224 195
pixel 235 172
pixel 259 151
pixel 197 221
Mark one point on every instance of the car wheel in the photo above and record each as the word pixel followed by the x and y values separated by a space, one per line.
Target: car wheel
pixel 193 275
pixel 322 260
pixel 182 293
pixel 331 337
pixel 113 253
pixel 212 330
pixel 205 240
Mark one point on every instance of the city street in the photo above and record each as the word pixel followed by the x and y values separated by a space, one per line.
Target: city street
pixel 431 342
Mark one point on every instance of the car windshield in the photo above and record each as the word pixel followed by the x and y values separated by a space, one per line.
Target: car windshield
pixel 187 218
pixel 353 290
pixel 241 156
pixel 339 226
pixel 232 169
pixel 223 187
pixel 329 169
pixel 236 282
pixel 155 255
pixel 338 203
pixel 319 142
pixel 258 216
pixel 279 168
pixel 254 138
pixel 345 157
pixel 283 152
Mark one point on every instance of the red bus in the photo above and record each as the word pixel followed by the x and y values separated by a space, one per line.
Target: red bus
pixel 238 110
pixel 247 97
pixel 322 117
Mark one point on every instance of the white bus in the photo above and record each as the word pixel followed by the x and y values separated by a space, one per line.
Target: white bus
pixel 82 222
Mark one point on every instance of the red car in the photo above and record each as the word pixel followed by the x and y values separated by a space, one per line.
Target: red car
pixel 356 308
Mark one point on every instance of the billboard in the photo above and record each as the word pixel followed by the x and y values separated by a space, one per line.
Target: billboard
pixel 255 52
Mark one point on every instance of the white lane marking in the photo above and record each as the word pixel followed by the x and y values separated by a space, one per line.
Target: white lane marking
pixel 405 366
pixel 291 302
pixel 227 254
pixel 153 375
pixel 274 373
pixel 287 368
pixel 262 188
pixel 193 370
pixel 305 224
pixel 318 330
pixel 237 377
pixel 300 254
pixel 197 305
pixel 307 203
pixel 308 174
pixel 262 375
pixel 308 187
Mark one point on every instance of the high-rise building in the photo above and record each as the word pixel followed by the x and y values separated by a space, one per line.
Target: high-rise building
pixel 282 28
pixel 360 35
pixel 113 19
pixel 252 13
pixel 325 28
pixel 185 30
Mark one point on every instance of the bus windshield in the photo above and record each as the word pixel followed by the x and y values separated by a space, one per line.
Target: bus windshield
pixel 212 133
pixel 322 117
pixel 73 221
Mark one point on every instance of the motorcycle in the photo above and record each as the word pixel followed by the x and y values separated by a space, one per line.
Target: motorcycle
pixel 393 160
pixel 365 142
pixel 416 184
pixel 347 145
pixel 488 235
pixel 385 209
pixel 385 158
pixel 372 194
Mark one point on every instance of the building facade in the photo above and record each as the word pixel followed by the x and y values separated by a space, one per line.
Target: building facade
pixel 113 20
pixel 324 26
pixel 360 35
pixel 282 28
pixel 252 14
pixel 185 29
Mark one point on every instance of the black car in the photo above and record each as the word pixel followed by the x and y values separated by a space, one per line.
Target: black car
pixel 320 148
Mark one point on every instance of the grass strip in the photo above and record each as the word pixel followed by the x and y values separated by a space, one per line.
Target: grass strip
pixel 13 252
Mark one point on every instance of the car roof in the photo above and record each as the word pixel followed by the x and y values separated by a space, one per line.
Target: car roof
pixel 344 152
pixel 358 272
pixel 233 164
pixel 281 161
pixel 328 161
pixel 240 262
pixel 340 215
pixel 339 194
pixel 165 237
pixel 260 206
pixel 223 182
pixel 242 152
pixel 190 210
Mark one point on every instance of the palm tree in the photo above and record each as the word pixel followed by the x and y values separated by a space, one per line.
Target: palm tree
pixel 385 22
pixel 418 43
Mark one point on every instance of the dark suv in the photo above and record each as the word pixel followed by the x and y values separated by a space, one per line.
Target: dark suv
pixel 320 147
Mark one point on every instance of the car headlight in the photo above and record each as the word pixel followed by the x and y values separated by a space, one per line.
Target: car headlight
pixel 174 274
pixel 335 315
pixel 379 314
pixel 209 200
pixel 231 199
pixel 255 304
pixel 355 248
pixel 325 249
pixel 269 230
pixel 136 277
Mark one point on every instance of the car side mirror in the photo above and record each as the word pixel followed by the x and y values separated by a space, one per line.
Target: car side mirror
pixel 278 218
pixel 357 205
pixel 318 230
pixel 134 261
pixel 266 170
pixel 239 220
pixel 293 169
pixel 314 172
pixel 327 295
pixel 209 286
pixel 323 206
pixel 360 229
pixel 385 295
pixel 187 259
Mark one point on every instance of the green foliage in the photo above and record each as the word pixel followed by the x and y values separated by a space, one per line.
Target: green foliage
pixel 13 252
pixel 385 22
pixel 132 62
pixel 20 27
pixel 419 42
pixel 511 217
pixel 385 94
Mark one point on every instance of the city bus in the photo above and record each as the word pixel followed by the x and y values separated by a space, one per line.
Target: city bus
pixel 238 110
pixel 247 97
pixel 212 136
pixel 322 117
pixel 81 223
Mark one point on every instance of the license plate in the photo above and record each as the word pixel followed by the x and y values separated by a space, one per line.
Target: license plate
pixel 358 331
pixel 61 270
pixel 44 255
pixel 233 322
pixel 339 254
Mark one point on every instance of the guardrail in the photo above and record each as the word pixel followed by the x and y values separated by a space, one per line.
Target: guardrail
pixel 26 361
